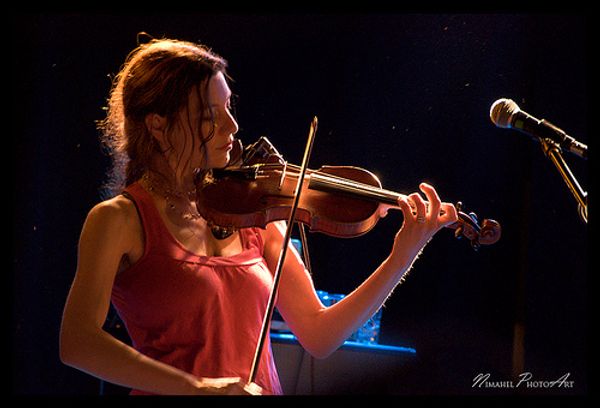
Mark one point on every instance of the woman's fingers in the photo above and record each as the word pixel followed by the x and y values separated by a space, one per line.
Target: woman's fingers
pixel 419 207
pixel 434 203
pixel 449 214
pixel 432 209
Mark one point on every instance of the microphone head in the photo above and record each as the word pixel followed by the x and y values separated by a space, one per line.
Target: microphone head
pixel 502 111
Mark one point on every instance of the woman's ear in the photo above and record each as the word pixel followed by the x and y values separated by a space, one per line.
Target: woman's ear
pixel 156 125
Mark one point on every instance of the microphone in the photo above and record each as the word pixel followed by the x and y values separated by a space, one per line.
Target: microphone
pixel 505 113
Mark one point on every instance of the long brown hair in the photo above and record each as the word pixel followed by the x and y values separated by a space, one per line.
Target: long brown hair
pixel 157 77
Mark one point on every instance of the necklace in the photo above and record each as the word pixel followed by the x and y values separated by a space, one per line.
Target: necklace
pixel 171 196
pixel 189 213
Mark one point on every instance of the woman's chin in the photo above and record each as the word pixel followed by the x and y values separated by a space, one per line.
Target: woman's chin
pixel 221 162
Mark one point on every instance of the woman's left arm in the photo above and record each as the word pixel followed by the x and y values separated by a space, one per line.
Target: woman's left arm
pixel 321 330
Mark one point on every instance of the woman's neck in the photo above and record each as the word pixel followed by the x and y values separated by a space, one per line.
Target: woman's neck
pixel 164 175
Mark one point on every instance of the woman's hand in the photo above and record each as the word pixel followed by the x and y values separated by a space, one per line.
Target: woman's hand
pixel 226 386
pixel 421 221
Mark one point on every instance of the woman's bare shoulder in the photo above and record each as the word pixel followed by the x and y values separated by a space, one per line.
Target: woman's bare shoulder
pixel 118 208
pixel 115 215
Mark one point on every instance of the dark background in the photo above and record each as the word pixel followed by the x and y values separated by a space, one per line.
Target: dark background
pixel 406 96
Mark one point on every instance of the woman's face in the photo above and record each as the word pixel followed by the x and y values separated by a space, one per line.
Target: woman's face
pixel 216 119
pixel 221 122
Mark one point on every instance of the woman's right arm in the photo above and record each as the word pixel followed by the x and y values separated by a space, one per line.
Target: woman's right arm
pixel 107 235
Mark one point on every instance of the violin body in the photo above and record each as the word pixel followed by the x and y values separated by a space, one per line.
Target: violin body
pixel 233 201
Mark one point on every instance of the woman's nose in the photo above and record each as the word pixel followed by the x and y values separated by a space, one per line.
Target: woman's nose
pixel 231 126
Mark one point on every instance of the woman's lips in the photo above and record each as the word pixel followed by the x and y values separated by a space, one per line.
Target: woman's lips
pixel 227 146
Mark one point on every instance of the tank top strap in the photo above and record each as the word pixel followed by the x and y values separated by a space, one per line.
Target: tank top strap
pixel 155 231
pixel 252 239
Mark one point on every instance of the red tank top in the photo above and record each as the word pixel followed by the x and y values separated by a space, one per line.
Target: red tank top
pixel 200 314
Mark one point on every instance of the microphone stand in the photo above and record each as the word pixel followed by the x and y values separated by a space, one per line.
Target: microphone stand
pixel 553 151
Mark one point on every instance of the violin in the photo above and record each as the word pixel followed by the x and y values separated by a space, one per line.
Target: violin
pixel 258 187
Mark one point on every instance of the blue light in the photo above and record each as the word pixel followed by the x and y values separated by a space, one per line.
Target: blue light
pixel 351 345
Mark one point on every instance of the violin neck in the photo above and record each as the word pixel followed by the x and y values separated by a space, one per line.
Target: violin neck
pixel 333 184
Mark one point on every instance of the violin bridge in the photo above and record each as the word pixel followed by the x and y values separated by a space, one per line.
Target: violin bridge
pixel 282 177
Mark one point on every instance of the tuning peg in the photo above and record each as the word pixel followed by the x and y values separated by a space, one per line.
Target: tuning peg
pixel 475 244
pixel 458 232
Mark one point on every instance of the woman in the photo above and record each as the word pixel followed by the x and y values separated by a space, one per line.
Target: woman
pixel 192 298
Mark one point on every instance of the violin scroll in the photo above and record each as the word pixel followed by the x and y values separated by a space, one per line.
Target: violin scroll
pixel 468 226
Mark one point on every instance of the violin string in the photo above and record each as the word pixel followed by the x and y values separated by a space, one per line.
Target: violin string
pixel 333 183
pixel 337 183
pixel 319 182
